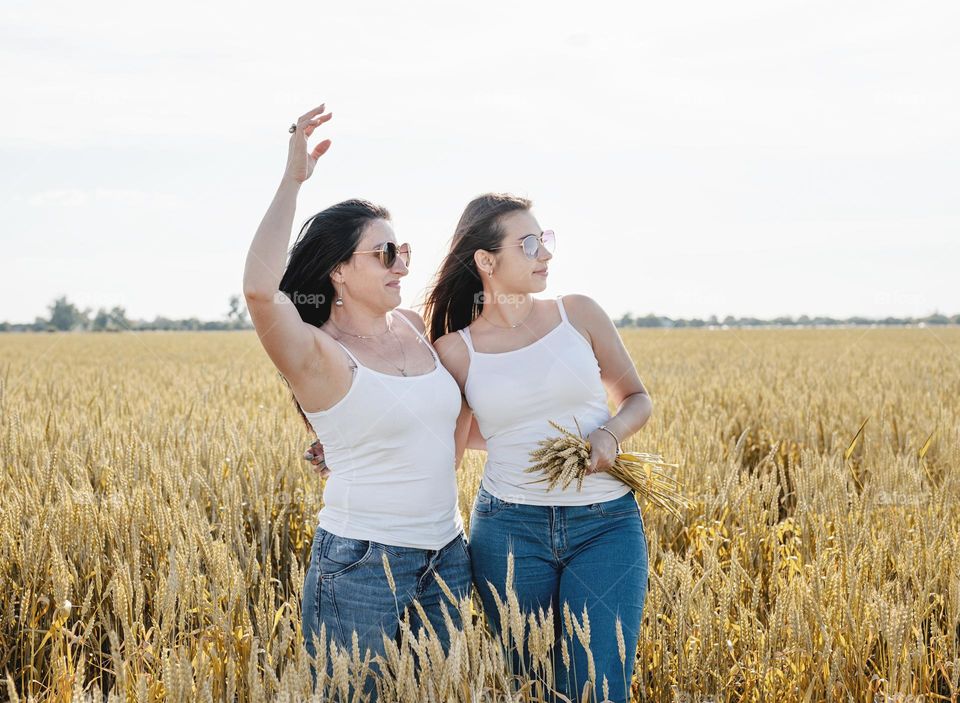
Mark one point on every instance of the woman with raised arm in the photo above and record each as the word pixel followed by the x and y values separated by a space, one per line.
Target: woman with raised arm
pixel 522 362
pixel 374 391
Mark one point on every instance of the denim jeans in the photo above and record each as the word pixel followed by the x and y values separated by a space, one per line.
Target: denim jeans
pixel 346 589
pixel 586 555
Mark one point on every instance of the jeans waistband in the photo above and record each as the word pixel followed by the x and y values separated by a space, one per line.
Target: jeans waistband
pixel 399 551
pixel 626 497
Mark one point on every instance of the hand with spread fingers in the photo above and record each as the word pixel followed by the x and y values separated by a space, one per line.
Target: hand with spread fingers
pixel 300 159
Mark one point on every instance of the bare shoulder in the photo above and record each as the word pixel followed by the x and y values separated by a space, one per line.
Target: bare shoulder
pixel 454 355
pixel 451 346
pixel 583 307
pixel 586 315
pixel 415 318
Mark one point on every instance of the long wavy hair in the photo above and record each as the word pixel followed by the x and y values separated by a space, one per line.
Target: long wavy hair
pixel 326 240
pixel 455 299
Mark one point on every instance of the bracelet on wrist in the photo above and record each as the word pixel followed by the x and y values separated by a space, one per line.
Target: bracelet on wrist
pixel 610 432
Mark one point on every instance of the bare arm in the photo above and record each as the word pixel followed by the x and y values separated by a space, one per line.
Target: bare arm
pixel 619 376
pixel 475 439
pixel 467 435
pixel 461 434
pixel 287 339
pixel 456 359
pixel 267 255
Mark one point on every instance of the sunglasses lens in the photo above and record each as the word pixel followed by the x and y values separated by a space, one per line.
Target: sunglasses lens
pixel 530 245
pixel 390 251
pixel 388 254
pixel 549 240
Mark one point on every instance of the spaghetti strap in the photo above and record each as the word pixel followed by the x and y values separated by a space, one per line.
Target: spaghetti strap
pixel 563 313
pixel 421 337
pixel 465 333
pixel 356 362
pixel 412 326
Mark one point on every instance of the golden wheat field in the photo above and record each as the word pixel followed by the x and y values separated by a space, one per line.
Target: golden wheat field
pixel 156 519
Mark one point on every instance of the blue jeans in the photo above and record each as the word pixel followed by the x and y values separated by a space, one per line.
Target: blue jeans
pixel 346 589
pixel 586 555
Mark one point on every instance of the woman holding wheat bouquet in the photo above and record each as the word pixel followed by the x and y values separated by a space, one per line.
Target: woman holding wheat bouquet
pixel 374 391
pixel 522 362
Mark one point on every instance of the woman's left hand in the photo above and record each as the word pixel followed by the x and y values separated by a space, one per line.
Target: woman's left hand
pixel 603 451
pixel 315 456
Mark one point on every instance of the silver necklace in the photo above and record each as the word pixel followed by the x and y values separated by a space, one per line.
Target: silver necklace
pixel 361 336
pixel 510 327
pixel 402 370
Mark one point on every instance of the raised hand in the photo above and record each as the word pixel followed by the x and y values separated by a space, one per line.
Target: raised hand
pixel 300 160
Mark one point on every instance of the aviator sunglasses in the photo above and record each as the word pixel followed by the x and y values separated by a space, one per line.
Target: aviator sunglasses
pixel 388 253
pixel 531 243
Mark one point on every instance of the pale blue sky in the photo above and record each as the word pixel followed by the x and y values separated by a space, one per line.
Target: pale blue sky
pixel 695 158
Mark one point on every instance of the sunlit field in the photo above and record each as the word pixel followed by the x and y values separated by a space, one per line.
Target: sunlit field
pixel 156 519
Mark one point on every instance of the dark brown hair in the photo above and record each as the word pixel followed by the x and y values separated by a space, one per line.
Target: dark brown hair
pixel 326 240
pixel 455 298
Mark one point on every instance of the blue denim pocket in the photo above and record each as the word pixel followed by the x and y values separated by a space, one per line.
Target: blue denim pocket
pixel 339 555
pixel 486 503
pixel 624 505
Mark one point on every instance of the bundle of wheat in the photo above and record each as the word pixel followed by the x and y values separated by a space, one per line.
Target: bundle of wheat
pixel 565 458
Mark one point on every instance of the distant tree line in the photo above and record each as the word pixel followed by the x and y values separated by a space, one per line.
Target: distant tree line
pixel 652 320
pixel 67 317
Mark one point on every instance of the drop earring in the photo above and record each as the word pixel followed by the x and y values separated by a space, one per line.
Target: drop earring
pixel 339 301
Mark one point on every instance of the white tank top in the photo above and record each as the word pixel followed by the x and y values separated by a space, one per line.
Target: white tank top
pixel 389 443
pixel 514 394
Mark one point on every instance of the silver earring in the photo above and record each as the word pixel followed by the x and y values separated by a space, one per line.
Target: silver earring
pixel 339 301
pixel 490 272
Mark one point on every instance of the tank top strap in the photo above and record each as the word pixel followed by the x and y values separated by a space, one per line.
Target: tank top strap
pixel 465 333
pixel 355 366
pixel 563 313
pixel 421 337
pixel 343 346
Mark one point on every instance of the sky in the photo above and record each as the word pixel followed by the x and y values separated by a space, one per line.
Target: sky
pixel 694 158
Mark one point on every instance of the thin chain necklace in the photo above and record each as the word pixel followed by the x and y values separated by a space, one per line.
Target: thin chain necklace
pixel 362 336
pixel 403 370
pixel 510 327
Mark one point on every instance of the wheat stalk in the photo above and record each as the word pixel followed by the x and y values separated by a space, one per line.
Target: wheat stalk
pixel 564 459
pixel 788 580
